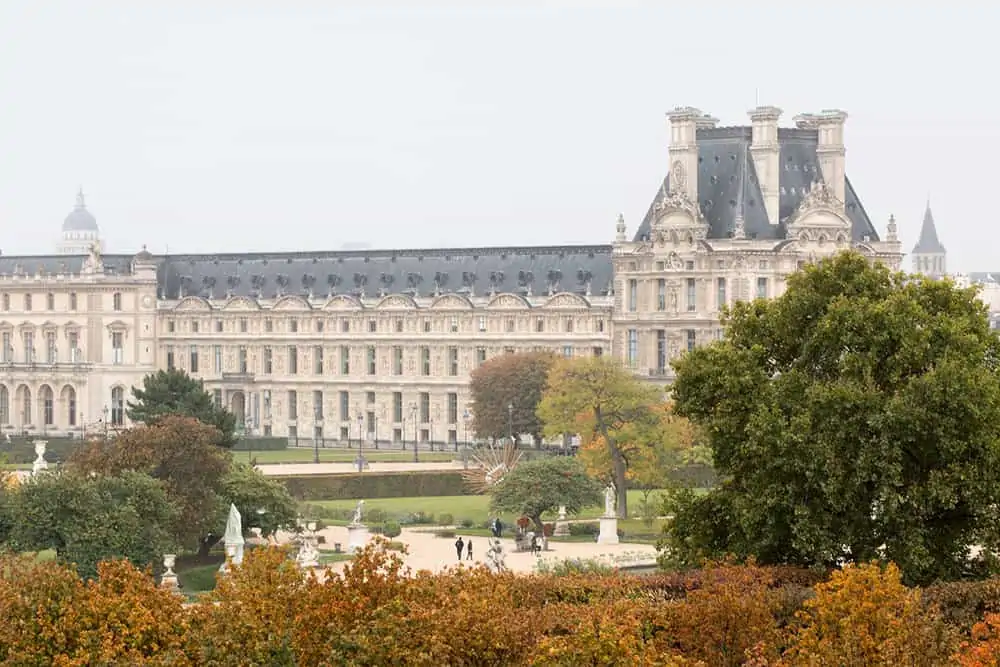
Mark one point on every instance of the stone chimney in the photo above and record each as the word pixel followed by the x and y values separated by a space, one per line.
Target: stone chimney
pixel 684 122
pixel 830 149
pixel 766 154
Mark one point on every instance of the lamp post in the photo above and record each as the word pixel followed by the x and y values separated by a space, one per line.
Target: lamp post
pixel 510 422
pixel 430 432
pixel 361 442
pixel 413 418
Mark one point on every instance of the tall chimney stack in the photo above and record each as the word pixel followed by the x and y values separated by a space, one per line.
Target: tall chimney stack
pixel 766 153
pixel 684 122
pixel 830 149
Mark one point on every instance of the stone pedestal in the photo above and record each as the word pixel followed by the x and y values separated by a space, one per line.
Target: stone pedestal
pixel 609 530
pixel 169 579
pixel 357 538
pixel 562 529
pixel 39 464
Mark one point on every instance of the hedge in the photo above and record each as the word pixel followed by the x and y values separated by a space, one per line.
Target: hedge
pixel 21 449
pixel 261 444
pixel 375 485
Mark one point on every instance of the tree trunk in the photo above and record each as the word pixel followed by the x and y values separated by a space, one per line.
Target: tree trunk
pixel 617 465
pixel 539 526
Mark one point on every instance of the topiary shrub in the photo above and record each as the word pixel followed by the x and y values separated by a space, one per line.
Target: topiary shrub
pixel 445 519
pixel 391 529
pixel 468 523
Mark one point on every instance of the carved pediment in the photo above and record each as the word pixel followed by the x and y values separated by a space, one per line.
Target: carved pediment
pixel 238 303
pixel 397 302
pixel 291 303
pixel 190 303
pixel 819 209
pixel 567 300
pixel 509 301
pixel 343 302
pixel 452 302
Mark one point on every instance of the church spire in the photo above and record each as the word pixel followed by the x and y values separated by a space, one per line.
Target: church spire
pixel 928 243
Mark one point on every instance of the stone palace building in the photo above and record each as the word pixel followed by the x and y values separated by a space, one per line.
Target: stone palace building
pixel 379 344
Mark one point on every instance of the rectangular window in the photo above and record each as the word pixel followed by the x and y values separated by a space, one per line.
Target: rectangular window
pixel 217 354
pixel 217 398
pixel 372 326
pixel 72 301
pixel 453 325
pixel 319 326
pixel 453 361
pixel 50 348
pixel 74 346
pixel 50 301
pixel 482 323
pixel 567 351
pixel 661 294
pixel 632 353
pixel 318 359
pixel 267 402
pixel 480 356
pixel 318 406
pixel 27 302
pixel 293 326
pixel 293 433
pixel 371 360
pixel 397 407
pixel 452 408
pixel 399 325
pixel 218 326
pixel 345 360
pixel 345 406
pixel 293 360
pixel 692 295
pixel 345 326
pixel 425 361
pixel 268 360
pixel 762 288
pixel 194 358
pixel 194 326
pixel 170 358
pixel 118 348
pixel 268 325
pixel 720 293
pixel 598 351
pixel 171 327
pixel 425 407
pixel 397 435
pixel 397 360
pixel 116 301
pixel 568 325
pixel 661 351
pixel 632 295
pixel 29 347
pixel 370 397
pixel 539 325
pixel 691 339
pixel 293 405
pixel 510 325
pixel 427 326
pixel 318 433
pixel 243 325
pixel 241 354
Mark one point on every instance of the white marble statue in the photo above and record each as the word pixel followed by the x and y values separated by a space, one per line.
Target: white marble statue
pixel 233 540
pixel 40 463
pixel 356 521
pixel 308 553
pixel 495 557
pixel 610 501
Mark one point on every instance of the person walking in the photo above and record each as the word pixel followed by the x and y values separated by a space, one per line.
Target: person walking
pixel 468 550
pixel 459 546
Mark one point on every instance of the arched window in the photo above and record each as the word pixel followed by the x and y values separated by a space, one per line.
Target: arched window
pixel 4 405
pixel 117 406
pixel 48 405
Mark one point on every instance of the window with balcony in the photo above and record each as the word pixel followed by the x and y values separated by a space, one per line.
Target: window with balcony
pixel 345 406
pixel 345 360
pixel 632 295
pixel 116 301
pixel 241 355
pixel 293 405
pixel 397 360
pixel 425 407
pixel 452 361
pixel 632 348
pixel 425 361
pixel 318 360
pixel 117 348
pixel 268 360
pixel 397 407
pixel 720 293
pixel 452 408
pixel 50 301
pixel 293 360
pixel 692 295
pixel 661 294
pixel 318 406
pixel 371 360
pixel 194 358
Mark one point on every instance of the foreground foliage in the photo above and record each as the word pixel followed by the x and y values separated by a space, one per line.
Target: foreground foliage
pixel 377 612
pixel 853 418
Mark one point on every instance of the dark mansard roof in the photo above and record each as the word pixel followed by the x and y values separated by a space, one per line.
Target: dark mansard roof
pixel 728 184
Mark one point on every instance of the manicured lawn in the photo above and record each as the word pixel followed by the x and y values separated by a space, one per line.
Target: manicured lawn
pixel 476 508
pixel 302 455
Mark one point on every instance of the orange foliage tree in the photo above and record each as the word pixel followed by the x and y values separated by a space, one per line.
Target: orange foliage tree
pixel 505 394
pixel 983 649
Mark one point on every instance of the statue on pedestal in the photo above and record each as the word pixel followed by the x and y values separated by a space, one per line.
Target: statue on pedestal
pixel 40 463
pixel 308 554
pixel 356 521
pixel 610 501
pixel 495 557
pixel 233 540
pixel 169 578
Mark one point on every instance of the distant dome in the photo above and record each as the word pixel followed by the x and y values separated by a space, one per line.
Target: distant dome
pixel 80 219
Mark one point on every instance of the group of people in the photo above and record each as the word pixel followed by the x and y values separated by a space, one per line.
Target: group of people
pixel 465 546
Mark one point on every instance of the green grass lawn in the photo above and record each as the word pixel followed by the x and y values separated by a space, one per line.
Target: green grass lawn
pixel 303 455
pixel 476 508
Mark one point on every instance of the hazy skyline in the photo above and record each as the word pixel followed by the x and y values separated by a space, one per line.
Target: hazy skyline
pixel 253 126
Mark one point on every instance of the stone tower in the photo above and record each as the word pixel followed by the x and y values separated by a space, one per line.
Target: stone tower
pixel 79 230
pixel 929 254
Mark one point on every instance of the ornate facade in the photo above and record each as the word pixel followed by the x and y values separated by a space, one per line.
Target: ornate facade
pixel 379 345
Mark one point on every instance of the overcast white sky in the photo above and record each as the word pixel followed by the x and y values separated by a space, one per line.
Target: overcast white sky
pixel 235 126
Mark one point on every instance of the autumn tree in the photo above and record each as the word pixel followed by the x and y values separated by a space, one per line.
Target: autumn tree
pixel 601 400
pixel 183 454
pixel 174 392
pixel 543 485
pixel 505 395
pixel 88 519
pixel 853 418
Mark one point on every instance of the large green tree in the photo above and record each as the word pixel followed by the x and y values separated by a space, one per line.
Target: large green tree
pixel 263 502
pixel 87 519
pixel 543 485
pixel 605 404
pixel 505 395
pixel 855 417
pixel 174 392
